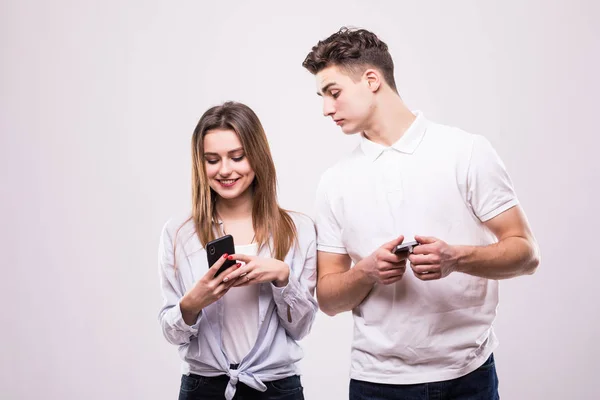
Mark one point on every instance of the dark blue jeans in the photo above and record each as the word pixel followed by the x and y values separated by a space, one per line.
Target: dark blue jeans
pixel 196 387
pixel 481 384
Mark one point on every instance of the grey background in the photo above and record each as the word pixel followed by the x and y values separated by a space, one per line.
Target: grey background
pixel 97 104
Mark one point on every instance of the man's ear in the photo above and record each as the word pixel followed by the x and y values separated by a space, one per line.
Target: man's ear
pixel 373 79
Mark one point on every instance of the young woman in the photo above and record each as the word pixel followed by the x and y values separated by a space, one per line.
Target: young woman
pixel 237 331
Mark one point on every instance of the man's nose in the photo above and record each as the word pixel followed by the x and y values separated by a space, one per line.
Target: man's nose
pixel 328 108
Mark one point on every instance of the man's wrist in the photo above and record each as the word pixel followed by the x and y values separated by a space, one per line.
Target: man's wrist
pixel 461 256
pixel 361 267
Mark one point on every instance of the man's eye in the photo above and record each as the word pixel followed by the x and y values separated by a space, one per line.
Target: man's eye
pixel 335 94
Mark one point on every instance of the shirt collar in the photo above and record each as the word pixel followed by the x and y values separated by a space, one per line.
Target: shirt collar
pixel 408 143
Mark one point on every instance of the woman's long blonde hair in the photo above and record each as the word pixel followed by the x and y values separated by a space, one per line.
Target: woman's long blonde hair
pixel 268 219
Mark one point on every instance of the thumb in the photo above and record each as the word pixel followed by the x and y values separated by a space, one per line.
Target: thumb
pixel 393 243
pixel 425 239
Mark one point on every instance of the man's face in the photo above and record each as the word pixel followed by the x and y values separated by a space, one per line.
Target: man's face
pixel 348 102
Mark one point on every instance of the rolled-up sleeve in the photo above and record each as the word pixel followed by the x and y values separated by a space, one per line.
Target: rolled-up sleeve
pixel 174 328
pixel 296 304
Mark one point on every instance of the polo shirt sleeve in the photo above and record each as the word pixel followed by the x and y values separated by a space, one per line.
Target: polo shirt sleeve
pixel 490 190
pixel 329 231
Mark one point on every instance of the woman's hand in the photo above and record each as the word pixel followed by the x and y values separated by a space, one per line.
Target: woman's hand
pixel 206 291
pixel 258 270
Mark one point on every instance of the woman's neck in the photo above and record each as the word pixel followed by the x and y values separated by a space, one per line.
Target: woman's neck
pixel 236 217
pixel 235 209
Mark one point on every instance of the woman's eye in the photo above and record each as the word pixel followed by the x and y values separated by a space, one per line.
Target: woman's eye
pixel 237 159
pixel 212 161
pixel 335 94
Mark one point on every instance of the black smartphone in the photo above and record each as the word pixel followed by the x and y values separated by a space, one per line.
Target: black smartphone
pixel 408 246
pixel 216 248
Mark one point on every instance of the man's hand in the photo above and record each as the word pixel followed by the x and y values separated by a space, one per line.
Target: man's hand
pixel 383 266
pixel 433 258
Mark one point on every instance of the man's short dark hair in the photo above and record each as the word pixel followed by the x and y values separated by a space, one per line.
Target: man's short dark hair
pixel 354 50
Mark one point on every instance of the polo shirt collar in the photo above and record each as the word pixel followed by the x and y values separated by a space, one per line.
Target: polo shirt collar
pixel 408 143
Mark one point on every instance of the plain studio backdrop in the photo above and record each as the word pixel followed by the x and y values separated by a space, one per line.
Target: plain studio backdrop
pixel 98 101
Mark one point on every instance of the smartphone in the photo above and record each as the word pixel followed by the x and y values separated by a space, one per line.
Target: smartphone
pixel 216 248
pixel 408 246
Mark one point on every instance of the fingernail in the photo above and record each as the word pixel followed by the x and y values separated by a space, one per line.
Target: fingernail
pixel 225 280
pixel 225 255
pixel 238 265
pixel 230 258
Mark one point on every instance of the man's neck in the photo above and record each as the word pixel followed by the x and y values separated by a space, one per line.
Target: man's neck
pixel 389 121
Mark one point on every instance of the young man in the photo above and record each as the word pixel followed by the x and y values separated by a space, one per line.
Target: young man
pixel 428 331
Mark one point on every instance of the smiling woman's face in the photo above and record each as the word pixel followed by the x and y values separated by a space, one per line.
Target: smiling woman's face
pixel 227 168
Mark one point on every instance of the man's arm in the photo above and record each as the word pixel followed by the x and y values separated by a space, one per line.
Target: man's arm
pixel 515 254
pixel 341 288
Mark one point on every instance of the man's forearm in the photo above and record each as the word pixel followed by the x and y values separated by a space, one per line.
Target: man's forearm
pixel 343 291
pixel 508 258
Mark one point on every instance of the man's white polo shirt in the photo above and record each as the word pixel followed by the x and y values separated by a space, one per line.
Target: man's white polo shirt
pixel 435 181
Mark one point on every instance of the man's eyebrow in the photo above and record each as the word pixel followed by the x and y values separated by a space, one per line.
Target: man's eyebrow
pixel 324 88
